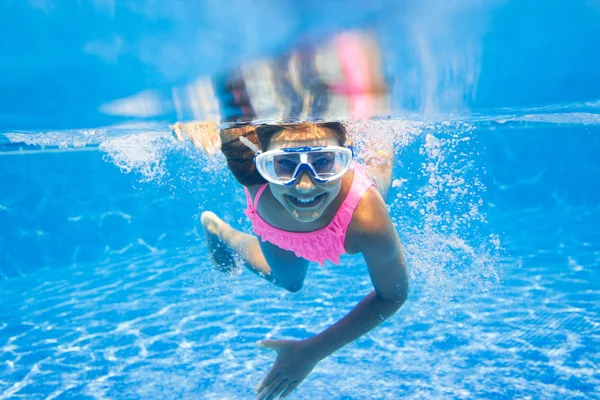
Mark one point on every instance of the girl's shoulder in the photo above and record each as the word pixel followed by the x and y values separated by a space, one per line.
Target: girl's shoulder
pixel 369 219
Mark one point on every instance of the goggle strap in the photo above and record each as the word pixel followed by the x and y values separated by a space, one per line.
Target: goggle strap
pixel 249 144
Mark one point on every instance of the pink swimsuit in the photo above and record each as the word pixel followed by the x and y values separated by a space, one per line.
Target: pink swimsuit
pixel 323 244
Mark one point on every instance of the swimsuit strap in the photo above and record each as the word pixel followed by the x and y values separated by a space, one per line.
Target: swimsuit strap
pixel 258 194
pixel 257 197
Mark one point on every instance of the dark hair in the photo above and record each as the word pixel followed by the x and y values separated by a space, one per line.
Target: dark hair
pixel 240 158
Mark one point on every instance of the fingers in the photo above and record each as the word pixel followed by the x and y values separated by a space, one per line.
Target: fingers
pixel 203 135
pixel 267 380
pixel 280 388
pixel 289 389
pixel 177 132
pixel 268 390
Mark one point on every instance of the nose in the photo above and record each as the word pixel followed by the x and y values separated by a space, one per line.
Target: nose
pixel 304 183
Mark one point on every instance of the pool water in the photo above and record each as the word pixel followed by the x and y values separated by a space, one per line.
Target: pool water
pixel 107 291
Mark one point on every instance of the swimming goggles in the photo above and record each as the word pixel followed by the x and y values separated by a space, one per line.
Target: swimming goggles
pixel 283 166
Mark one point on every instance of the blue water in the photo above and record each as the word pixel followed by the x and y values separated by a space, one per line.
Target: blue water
pixel 106 290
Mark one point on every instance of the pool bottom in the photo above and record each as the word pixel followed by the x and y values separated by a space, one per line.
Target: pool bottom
pixel 165 324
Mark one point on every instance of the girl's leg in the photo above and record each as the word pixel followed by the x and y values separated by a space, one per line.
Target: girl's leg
pixel 276 265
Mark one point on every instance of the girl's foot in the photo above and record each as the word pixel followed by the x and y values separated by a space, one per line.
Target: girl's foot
pixel 215 230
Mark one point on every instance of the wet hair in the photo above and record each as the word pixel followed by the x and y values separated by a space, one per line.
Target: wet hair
pixel 240 158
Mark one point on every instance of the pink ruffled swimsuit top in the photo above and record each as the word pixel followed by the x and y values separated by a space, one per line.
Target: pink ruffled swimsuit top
pixel 323 244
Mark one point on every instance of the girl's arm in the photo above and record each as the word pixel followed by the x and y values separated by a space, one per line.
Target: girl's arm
pixel 372 233
pixel 378 241
pixel 206 135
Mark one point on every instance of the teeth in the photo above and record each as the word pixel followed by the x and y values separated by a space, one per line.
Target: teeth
pixel 305 201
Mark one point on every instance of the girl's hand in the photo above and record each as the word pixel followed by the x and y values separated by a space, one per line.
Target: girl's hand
pixel 203 135
pixel 293 363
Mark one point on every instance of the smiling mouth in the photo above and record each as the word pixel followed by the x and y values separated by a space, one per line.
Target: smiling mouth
pixel 306 202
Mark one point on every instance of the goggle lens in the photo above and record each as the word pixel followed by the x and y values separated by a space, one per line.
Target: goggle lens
pixel 285 165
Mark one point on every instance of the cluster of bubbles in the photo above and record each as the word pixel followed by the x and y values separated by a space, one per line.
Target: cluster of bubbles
pixel 63 140
pixel 145 154
pixel 437 203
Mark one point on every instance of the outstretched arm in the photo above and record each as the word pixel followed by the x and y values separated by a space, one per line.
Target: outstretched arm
pixel 384 257
pixel 381 248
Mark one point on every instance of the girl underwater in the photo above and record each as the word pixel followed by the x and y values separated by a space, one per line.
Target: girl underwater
pixel 309 201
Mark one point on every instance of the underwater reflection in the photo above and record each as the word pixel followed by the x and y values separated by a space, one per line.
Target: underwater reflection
pixel 340 78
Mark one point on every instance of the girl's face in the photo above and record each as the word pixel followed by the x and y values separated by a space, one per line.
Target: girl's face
pixel 306 199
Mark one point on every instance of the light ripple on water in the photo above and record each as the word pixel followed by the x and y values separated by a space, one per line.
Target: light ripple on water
pixel 116 340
